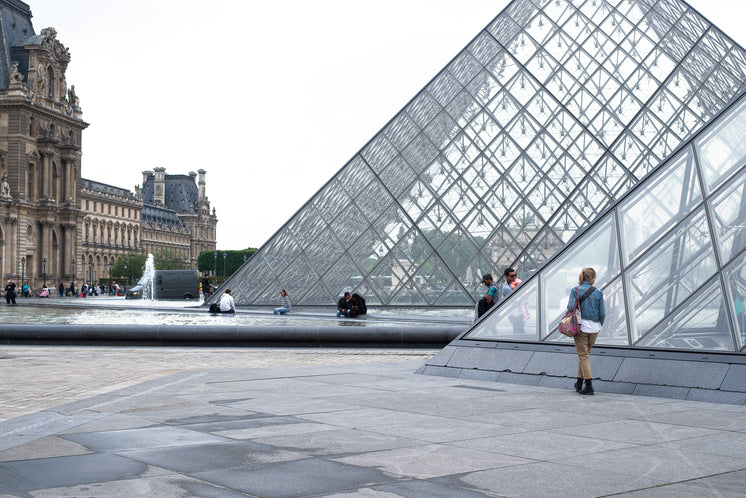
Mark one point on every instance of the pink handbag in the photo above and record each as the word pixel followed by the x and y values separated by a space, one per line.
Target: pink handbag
pixel 570 323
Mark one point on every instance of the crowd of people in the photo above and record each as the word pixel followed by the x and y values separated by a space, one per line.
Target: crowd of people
pixel 86 290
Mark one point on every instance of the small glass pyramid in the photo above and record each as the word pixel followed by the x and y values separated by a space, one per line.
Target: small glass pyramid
pixel 670 256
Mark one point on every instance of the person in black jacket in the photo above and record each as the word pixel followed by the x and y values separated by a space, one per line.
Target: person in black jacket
pixel 10 292
pixel 357 305
pixel 483 305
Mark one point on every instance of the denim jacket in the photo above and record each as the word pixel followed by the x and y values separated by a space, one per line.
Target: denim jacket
pixel 592 308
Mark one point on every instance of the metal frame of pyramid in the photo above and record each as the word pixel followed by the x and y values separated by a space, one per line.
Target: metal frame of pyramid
pixel 670 257
pixel 546 118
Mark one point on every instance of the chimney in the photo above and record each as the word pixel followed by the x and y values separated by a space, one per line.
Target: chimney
pixel 201 185
pixel 159 188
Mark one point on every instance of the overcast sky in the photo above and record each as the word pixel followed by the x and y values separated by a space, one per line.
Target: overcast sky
pixel 271 98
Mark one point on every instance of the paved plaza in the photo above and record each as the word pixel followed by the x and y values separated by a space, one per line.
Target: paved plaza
pixel 174 422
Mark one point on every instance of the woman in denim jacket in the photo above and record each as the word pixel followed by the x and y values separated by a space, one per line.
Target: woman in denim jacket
pixel 593 313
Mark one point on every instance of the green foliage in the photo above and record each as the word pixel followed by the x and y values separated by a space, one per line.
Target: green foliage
pixel 206 262
pixel 135 263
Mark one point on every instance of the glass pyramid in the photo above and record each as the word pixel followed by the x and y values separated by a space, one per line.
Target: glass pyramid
pixel 670 257
pixel 549 115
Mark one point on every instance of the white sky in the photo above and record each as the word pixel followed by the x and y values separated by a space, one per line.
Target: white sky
pixel 271 98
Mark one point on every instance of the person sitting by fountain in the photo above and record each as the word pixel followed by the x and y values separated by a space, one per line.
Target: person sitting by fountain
pixel 44 292
pixel 284 304
pixel 226 302
pixel 358 306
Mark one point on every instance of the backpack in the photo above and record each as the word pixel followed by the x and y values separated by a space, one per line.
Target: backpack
pixel 214 308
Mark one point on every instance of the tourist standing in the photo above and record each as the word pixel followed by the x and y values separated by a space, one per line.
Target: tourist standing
pixel 483 306
pixel 10 292
pixel 61 289
pixel 26 289
pixel 490 284
pixel 511 282
pixel 206 288
pixel 284 304
pixel 593 313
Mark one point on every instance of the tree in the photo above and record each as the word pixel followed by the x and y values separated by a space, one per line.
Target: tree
pixel 207 262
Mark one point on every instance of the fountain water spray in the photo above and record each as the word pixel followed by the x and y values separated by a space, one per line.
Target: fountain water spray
pixel 148 278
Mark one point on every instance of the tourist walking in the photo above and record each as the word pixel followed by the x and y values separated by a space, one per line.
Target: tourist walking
pixel 26 289
pixel 284 304
pixel 593 313
pixel 227 305
pixel 61 289
pixel 10 292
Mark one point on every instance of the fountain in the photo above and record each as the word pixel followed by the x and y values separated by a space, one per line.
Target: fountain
pixel 147 278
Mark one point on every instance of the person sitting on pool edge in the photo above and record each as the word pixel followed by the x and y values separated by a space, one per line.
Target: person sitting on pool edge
pixel 226 302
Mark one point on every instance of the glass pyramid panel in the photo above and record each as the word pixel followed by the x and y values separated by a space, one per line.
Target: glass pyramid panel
pixel 516 320
pixel 682 281
pixel 541 123
pixel 735 284
pixel 728 209
pixel 702 324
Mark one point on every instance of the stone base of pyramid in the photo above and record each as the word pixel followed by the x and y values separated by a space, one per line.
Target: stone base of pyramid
pixel 696 376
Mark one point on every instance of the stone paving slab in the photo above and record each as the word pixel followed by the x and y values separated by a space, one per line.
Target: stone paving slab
pixel 175 422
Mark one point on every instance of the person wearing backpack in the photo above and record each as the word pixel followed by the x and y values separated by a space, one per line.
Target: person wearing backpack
pixel 593 313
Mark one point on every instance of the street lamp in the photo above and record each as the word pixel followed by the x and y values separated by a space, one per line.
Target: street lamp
pixel 225 254
pixel 215 268
pixel 109 276
pixel 72 284
pixel 90 268
pixel 44 271
pixel 23 270
pixel 126 275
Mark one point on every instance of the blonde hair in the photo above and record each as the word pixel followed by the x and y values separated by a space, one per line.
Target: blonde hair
pixel 588 274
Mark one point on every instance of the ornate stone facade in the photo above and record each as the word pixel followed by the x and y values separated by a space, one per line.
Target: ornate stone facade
pixel 54 225
pixel 41 129
pixel 176 215
pixel 111 226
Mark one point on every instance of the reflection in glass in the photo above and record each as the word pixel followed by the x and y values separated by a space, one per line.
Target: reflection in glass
pixel 560 276
pixel 735 280
pixel 661 202
pixel 701 324
pixel 515 319
pixel 670 273
pixel 729 217
pixel 722 149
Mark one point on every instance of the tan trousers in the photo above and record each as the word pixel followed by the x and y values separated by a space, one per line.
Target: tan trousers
pixel 583 344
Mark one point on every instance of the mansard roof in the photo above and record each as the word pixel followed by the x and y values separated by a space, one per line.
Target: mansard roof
pixel 163 216
pixel 181 193
pixel 15 28
pixel 103 188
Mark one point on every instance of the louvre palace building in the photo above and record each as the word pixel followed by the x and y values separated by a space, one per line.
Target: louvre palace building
pixel 56 226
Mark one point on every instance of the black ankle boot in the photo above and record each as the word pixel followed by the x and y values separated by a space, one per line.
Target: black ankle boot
pixel 579 385
pixel 588 389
